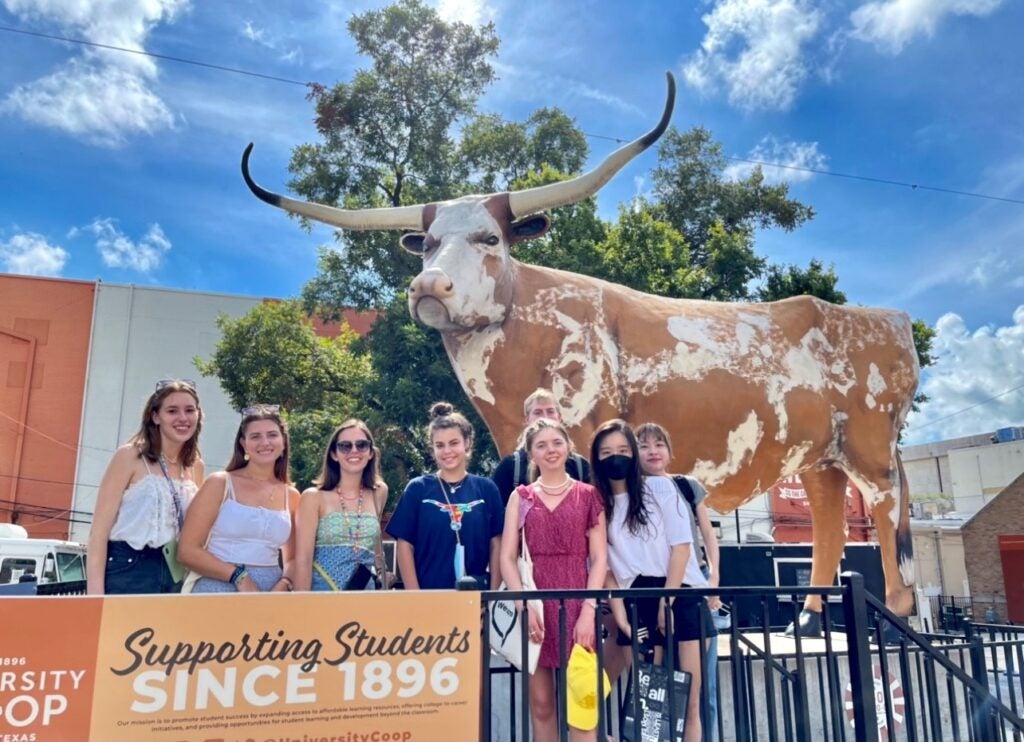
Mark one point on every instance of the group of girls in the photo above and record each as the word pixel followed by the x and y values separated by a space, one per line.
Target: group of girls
pixel 246 529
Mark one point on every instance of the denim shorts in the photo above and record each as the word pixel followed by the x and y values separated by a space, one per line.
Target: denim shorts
pixel 136 571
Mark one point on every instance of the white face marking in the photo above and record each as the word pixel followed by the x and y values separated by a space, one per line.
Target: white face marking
pixel 742 444
pixel 471 358
pixel 475 291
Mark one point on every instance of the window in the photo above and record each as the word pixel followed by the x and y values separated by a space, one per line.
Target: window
pixel 12 568
pixel 71 566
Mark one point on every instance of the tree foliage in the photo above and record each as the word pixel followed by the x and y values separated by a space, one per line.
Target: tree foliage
pixel 781 282
pixel 273 355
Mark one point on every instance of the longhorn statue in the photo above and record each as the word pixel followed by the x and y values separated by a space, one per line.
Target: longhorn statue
pixel 750 393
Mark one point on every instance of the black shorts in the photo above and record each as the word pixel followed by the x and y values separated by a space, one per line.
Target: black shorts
pixel 136 571
pixel 688 613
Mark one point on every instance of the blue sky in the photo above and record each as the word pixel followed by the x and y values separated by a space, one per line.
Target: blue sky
pixel 125 168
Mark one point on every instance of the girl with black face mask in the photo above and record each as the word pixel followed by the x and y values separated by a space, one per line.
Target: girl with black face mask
pixel 649 545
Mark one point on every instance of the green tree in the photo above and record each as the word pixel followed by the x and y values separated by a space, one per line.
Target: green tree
pixel 385 140
pixel 718 217
pixel 792 280
pixel 273 355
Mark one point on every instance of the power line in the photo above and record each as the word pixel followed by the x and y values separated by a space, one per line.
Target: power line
pixel 618 140
pixel 144 53
pixel 966 409
pixel 884 181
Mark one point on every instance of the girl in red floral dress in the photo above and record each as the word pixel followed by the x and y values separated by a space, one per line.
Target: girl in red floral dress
pixel 563 522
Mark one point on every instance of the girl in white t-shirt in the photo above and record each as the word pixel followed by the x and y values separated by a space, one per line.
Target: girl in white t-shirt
pixel 649 546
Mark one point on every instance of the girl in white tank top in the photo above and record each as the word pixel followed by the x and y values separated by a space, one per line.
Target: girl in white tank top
pixel 238 534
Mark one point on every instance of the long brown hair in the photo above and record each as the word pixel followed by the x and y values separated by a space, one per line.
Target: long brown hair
pixel 637 517
pixel 282 472
pixel 330 471
pixel 147 439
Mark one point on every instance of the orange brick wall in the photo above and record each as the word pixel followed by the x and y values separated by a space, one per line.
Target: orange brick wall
pixel 41 406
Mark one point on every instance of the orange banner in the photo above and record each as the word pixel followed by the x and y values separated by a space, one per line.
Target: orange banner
pixel 346 667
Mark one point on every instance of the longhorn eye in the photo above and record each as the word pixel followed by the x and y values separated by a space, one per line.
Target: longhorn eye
pixel 492 240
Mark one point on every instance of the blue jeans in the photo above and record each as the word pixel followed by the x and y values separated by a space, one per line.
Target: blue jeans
pixel 711 671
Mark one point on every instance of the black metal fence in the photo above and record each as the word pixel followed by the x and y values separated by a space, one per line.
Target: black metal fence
pixel 867 677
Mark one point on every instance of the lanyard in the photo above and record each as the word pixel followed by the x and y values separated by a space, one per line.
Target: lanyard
pixel 459 560
pixel 174 492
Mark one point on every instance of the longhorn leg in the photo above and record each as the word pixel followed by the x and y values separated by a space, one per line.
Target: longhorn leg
pixel 888 497
pixel 826 494
pixel 897 558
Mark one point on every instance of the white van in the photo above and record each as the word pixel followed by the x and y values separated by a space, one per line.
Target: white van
pixel 48 559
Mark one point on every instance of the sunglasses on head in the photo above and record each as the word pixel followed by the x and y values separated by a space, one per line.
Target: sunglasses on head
pixel 261 409
pixel 362 446
pixel 164 383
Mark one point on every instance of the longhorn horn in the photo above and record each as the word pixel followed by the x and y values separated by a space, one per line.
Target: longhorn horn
pixel 551 196
pixel 398 217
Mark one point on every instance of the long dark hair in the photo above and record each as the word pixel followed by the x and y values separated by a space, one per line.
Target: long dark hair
pixel 637 517
pixel 262 412
pixel 147 440
pixel 330 471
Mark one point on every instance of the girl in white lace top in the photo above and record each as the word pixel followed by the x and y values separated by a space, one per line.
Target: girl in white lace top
pixel 144 494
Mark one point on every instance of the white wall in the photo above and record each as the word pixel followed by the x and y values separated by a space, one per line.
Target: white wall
pixel 979 474
pixel 141 335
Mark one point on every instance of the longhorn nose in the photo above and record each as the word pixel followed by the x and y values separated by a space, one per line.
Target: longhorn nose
pixel 432 282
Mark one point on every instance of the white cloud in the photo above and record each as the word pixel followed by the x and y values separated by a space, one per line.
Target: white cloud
pixel 118 250
pixel 788 154
pixel 970 369
pixel 754 49
pixel 262 37
pixel 29 254
pixel 891 24
pixel 101 96
pixel 472 12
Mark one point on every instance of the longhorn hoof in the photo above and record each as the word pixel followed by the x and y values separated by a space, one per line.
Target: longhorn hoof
pixel 809 625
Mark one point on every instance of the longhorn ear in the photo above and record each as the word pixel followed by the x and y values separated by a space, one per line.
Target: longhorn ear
pixel 413 243
pixel 529 228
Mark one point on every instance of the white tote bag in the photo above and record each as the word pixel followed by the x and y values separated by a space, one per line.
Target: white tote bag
pixel 506 632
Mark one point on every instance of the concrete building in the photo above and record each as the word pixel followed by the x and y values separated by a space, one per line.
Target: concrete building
pixel 961 474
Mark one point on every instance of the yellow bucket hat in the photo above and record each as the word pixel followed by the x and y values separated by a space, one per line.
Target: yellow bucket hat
pixel 581 679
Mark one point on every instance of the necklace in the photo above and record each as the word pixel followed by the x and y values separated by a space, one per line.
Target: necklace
pixel 355 520
pixel 453 487
pixel 555 489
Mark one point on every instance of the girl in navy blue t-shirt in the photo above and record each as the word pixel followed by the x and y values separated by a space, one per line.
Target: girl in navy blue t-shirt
pixel 448 525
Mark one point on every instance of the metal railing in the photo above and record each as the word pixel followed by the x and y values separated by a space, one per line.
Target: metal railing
pixel 869 677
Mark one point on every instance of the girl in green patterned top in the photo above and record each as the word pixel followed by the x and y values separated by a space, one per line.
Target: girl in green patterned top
pixel 337 526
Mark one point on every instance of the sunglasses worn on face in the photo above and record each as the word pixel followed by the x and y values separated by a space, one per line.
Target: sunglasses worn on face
pixel 362 446
pixel 261 409
pixel 164 383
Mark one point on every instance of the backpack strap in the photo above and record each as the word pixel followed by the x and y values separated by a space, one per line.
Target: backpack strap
pixel 517 458
pixel 578 461
pixel 683 483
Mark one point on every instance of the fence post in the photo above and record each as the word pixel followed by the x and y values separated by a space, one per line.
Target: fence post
pixel 980 706
pixel 862 683
pixel 469 583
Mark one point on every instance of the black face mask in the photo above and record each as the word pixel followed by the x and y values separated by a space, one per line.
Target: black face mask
pixel 616 466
